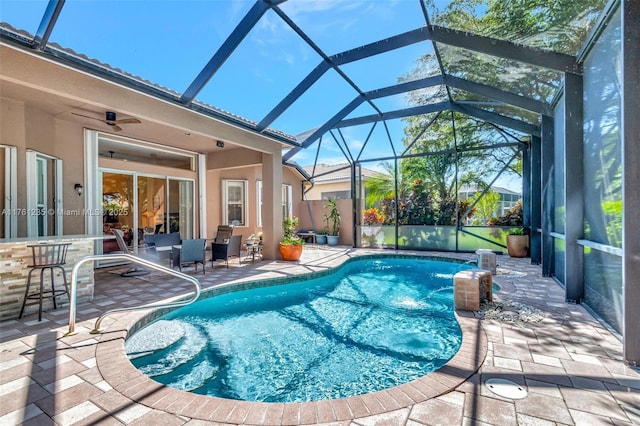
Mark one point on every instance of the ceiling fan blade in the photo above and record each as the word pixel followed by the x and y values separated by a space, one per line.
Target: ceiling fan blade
pixel 128 121
pixel 86 116
pixel 116 127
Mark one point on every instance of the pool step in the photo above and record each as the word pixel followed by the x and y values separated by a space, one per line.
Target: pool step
pixel 157 336
pixel 166 359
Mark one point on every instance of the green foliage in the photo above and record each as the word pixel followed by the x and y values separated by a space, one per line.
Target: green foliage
pixel 372 216
pixel 418 207
pixel 333 216
pixel 516 231
pixel 613 212
pixel 511 218
pixel 289 230
pixel 381 186
pixel 486 206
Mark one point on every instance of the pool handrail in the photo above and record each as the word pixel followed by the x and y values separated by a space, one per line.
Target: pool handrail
pixel 134 259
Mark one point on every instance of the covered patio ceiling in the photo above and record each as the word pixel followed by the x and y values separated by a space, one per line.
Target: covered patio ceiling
pixel 352 69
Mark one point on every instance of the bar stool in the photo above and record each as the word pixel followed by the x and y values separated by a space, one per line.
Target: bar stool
pixel 46 257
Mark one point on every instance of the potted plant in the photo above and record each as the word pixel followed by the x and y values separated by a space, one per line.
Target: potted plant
pixel 321 237
pixel 517 242
pixel 291 244
pixel 332 217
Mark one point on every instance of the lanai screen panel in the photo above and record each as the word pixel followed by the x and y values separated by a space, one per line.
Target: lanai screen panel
pixel 23 15
pixel 177 40
pixel 561 25
pixel 492 105
pixel 390 68
pixel 262 70
pixel 337 26
pixel 603 200
pixel 513 76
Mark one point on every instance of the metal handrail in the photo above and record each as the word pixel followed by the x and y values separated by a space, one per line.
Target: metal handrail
pixel 134 259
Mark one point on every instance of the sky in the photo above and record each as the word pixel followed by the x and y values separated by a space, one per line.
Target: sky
pixel 168 42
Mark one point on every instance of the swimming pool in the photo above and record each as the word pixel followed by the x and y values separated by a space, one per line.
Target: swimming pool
pixel 371 325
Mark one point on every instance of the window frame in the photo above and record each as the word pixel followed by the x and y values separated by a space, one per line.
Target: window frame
pixel 287 201
pixel 226 185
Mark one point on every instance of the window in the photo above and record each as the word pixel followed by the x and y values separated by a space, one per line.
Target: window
pixel 259 202
pixel 336 195
pixel 287 195
pixel 234 202
pixel 287 198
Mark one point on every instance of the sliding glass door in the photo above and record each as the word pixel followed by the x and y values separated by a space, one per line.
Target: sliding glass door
pixel 117 212
pixel 142 205
pixel 181 213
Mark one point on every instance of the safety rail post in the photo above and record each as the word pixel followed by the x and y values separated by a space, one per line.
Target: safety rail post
pixel 134 259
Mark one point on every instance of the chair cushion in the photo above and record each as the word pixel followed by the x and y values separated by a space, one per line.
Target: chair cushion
pixel 163 240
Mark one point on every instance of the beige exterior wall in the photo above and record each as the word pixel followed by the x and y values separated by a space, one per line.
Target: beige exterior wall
pixel 311 217
pixel 315 193
pixel 32 129
pixel 44 107
pixel 249 172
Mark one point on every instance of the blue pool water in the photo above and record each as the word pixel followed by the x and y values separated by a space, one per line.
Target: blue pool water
pixel 371 325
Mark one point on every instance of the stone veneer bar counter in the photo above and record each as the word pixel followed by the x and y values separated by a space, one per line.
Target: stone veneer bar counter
pixel 15 257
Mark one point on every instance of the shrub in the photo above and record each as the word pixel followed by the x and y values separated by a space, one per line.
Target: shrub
pixel 372 216
pixel 289 231
pixel 511 218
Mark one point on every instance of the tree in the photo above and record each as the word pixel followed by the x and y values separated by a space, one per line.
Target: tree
pixel 486 206
pixel 381 186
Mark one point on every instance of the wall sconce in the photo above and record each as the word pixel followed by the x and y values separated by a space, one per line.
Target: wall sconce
pixel 78 189
pixel 220 144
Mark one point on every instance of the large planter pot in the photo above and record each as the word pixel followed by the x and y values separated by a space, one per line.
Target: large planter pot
pixel 332 240
pixel 517 245
pixel 321 239
pixel 290 251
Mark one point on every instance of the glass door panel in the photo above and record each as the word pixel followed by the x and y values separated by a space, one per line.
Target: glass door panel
pixel 152 206
pixel 181 193
pixel 117 202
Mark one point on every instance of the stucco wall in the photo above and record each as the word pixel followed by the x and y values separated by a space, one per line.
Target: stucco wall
pixel 315 193
pixel 311 217
pixel 250 173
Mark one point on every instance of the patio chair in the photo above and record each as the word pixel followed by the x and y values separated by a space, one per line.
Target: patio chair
pixel 135 271
pixel 191 251
pixel 163 244
pixel 223 251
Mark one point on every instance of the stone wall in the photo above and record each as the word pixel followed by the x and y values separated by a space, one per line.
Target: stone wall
pixel 15 257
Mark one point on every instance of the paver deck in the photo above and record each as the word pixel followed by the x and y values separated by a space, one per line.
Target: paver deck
pixel 570 364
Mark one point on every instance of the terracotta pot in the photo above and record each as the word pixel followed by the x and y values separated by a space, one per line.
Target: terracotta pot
pixel 290 251
pixel 518 245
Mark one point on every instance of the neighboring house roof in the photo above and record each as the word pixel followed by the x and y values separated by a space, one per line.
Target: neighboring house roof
pixel 325 173
pixel 473 188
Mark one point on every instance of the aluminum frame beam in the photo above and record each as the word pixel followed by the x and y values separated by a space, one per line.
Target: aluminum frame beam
pixel 325 127
pixel 506 49
pixel 288 100
pixel 631 176
pixel 390 115
pixel 230 44
pixel 536 202
pixel 499 95
pixel 490 46
pixel 547 183
pixel 49 19
pixel 498 119
pixel 573 188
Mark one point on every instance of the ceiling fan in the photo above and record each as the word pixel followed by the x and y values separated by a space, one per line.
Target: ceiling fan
pixel 111 120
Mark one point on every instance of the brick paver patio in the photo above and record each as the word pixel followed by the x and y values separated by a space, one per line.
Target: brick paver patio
pixel 569 363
